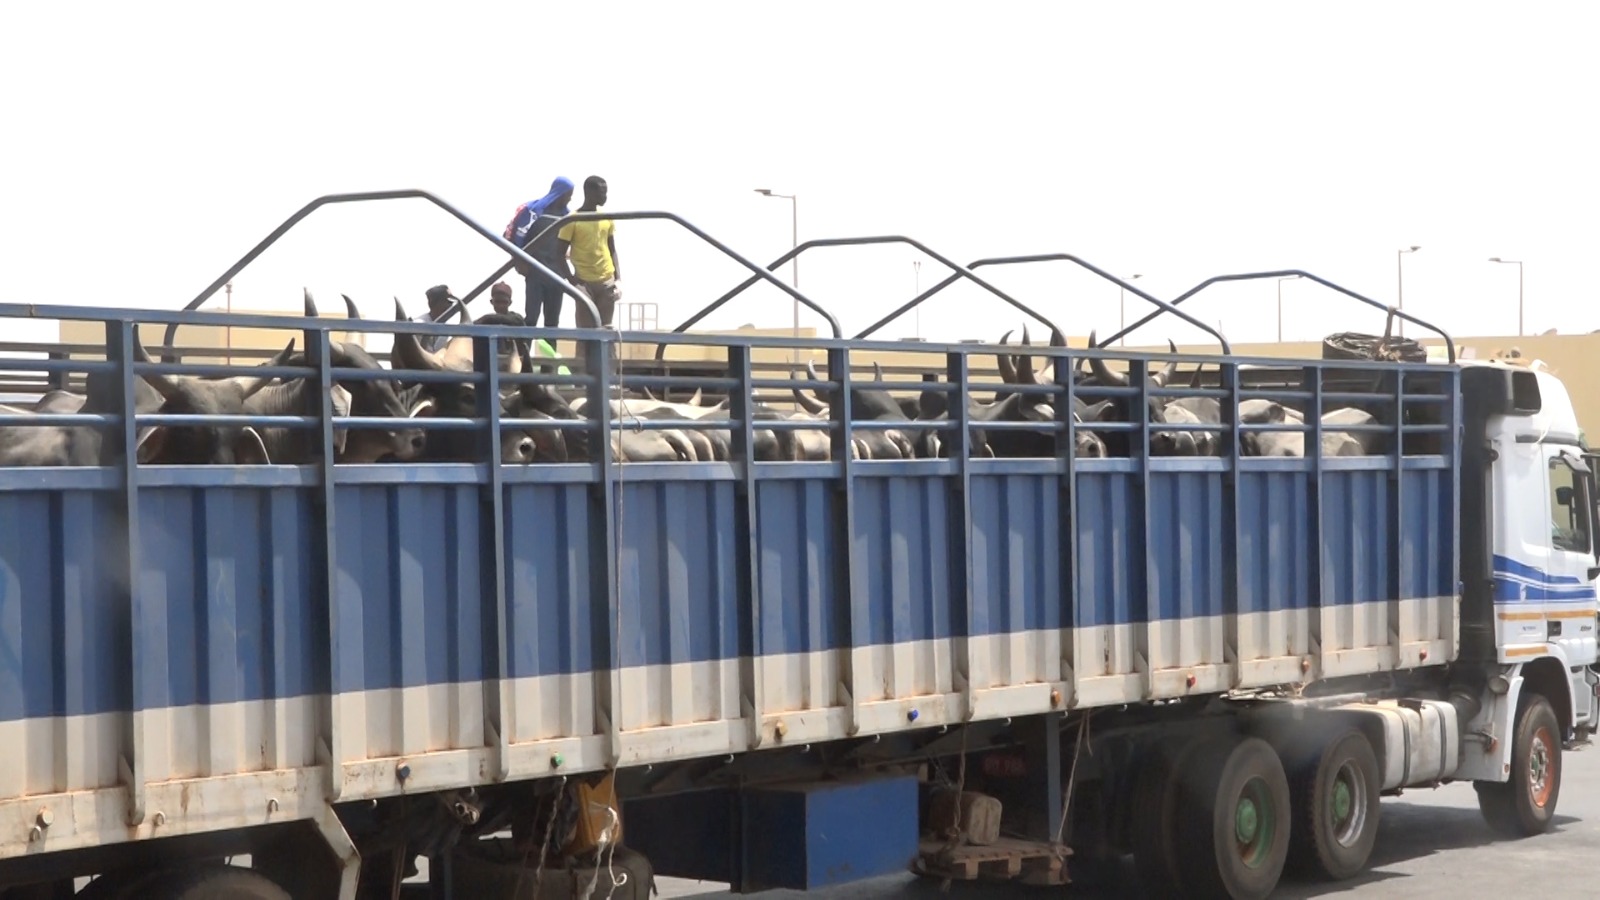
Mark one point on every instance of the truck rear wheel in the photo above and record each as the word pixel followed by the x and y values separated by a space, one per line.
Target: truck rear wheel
pixel 1153 830
pixel 1335 799
pixel 216 883
pixel 1235 817
pixel 1526 804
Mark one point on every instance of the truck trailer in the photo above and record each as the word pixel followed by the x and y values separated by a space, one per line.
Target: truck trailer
pixel 553 651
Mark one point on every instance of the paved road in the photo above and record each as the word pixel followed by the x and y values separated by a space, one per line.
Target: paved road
pixel 1432 845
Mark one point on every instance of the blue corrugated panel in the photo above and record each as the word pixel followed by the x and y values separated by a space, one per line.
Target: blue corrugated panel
pixel 678 578
pixel 63 616
pixel 1426 534
pixel 1016 554
pixel 554 625
pixel 226 581
pixel 410 598
pixel 1276 556
pixel 1111 558
pixel 1355 529
pixel 1187 543
pixel 801 611
pixel 903 563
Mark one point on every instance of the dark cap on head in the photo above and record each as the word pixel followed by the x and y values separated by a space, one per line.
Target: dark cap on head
pixel 438 294
pixel 500 291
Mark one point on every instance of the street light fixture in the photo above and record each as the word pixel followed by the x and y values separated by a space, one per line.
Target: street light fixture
pixel 794 241
pixel 1122 309
pixel 1518 264
pixel 1280 303
pixel 1400 288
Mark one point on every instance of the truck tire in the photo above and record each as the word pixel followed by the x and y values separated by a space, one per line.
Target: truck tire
pixel 215 883
pixel 1153 830
pixel 1525 805
pixel 1235 817
pixel 1334 794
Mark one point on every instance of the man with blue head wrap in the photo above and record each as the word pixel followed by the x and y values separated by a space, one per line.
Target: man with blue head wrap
pixel 532 218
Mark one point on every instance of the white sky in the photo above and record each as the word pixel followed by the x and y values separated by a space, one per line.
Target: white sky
pixel 149 145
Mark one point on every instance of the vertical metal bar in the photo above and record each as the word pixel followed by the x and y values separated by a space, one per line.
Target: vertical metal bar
pixel 1139 373
pixel 1041 754
pixel 1454 441
pixel 1232 485
pixel 492 550
pixel 748 548
pixel 845 530
pixel 1311 376
pixel 1398 558
pixel 604 535
pixel 119 349
pixel 1067 521
pixel 956 373
pixel 319 356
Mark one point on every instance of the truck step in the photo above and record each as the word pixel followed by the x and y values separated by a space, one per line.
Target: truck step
pixel 1007 859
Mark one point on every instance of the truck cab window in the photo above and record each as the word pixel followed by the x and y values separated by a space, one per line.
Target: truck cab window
pixel 1569 508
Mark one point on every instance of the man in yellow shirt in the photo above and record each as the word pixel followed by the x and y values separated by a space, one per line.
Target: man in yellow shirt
pixel 592 247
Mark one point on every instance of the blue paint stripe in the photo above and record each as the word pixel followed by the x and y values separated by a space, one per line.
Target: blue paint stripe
pixel 1518 582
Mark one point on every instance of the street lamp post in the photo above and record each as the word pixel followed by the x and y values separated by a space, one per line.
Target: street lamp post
pixel 1400 286
pixel 1122 309
pixel 794 241
pixel 1518 264
pixel 1280 303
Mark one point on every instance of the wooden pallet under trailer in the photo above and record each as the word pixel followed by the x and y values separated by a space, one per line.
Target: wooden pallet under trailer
pixel 1007 859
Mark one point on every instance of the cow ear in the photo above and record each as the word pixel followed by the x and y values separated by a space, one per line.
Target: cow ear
pixel 151 442
pixel 1038 412
pixel 424 409
pixel 1097 412
pixel 341 401
pixel 249 449
pixel 1275 413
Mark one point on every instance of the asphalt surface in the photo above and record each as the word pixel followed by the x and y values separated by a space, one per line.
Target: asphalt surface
pixel 1431 844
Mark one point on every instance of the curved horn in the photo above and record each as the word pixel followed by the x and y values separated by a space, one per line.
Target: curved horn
pixel 1105 375
pixel 695 400
pixel 252 383
pixel 812 406
pixel 350 310
pixel 1057 339
pixel 165 384
pixel 311 305
pixel 408 350
pixel 1002 361
pixel 1024 361
pixel 1162 377
pixel 877 371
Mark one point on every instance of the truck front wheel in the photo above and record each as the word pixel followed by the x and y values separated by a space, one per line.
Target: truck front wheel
pixel 1525 804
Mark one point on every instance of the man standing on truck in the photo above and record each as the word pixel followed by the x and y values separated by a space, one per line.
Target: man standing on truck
pixel 530 220
pixel 439 301
pixel 592 246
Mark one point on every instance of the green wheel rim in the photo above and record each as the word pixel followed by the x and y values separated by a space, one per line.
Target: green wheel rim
pixel 1254 823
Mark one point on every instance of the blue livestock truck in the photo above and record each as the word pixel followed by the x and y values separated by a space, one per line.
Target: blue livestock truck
pixel 287 629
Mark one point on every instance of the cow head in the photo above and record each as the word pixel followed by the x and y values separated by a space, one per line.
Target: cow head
pixel 375 399
pixel 1162 442
pixel 189 395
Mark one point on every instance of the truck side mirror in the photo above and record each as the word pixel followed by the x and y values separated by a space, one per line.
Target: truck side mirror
pixel 1594 572
pixel 1564 496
